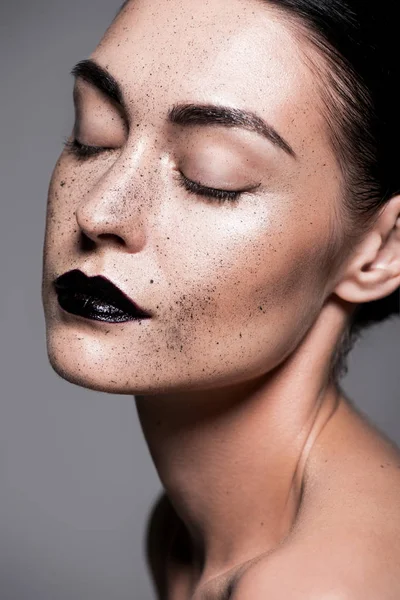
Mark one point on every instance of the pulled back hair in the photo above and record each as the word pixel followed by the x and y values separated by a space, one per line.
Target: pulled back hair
pixel 357 42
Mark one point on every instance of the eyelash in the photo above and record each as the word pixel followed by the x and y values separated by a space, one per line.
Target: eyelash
pixel 82 151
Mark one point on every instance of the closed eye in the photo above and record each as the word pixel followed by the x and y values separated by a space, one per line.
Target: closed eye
pixel 214 193
pixel 83 151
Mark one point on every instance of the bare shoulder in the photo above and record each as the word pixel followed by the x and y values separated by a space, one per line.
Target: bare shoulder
pixel 345 544
pixel 334 565
pixel 322 569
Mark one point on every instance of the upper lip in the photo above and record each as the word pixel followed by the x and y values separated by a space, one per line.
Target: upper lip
pixel 98 287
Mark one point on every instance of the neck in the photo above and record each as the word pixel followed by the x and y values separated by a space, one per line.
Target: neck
pixel 232 460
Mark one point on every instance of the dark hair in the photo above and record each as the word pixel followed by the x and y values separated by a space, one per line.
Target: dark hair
pixel 357 41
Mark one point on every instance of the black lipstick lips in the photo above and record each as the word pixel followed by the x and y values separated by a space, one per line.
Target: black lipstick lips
pixel 95 298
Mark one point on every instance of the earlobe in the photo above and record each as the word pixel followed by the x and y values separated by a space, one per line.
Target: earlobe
pixel 373 271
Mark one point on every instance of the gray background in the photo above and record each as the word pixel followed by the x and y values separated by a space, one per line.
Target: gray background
pixel 76 479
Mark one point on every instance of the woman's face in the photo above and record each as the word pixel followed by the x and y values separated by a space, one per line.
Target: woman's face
pixel 233 285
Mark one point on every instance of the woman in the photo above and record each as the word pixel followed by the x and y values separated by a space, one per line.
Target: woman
pixel 224 219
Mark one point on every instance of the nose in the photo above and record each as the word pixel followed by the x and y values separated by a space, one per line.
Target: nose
pixel 112 210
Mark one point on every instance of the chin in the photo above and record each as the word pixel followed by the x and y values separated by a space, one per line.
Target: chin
pixel 94 368
pixel 78 359
pixel 102 372
pixel 83 375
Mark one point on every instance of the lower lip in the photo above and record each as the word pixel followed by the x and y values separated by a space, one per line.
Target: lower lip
pixel 93 308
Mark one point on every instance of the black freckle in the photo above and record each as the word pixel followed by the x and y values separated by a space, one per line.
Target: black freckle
pixel 151 281
pixel 62 183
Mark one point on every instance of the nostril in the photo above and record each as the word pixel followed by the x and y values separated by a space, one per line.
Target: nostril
pixel 111 236
pixel 85 242
pixel 102 224
pixel 89 243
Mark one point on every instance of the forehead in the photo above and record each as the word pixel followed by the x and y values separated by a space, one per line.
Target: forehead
pixel 238 52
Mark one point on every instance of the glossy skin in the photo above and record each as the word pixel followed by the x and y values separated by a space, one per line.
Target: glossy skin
pixel 231 375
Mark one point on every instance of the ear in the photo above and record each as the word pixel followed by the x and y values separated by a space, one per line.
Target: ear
pixel 373 269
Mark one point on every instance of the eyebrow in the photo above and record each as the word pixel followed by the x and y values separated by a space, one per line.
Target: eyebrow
pixel 186 114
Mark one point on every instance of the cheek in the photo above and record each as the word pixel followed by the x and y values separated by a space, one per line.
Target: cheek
pixel 250 299
pixel 269 280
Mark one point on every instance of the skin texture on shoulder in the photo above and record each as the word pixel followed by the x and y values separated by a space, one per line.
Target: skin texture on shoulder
pixel 327 571
pixel 345 544
pixel 285 586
